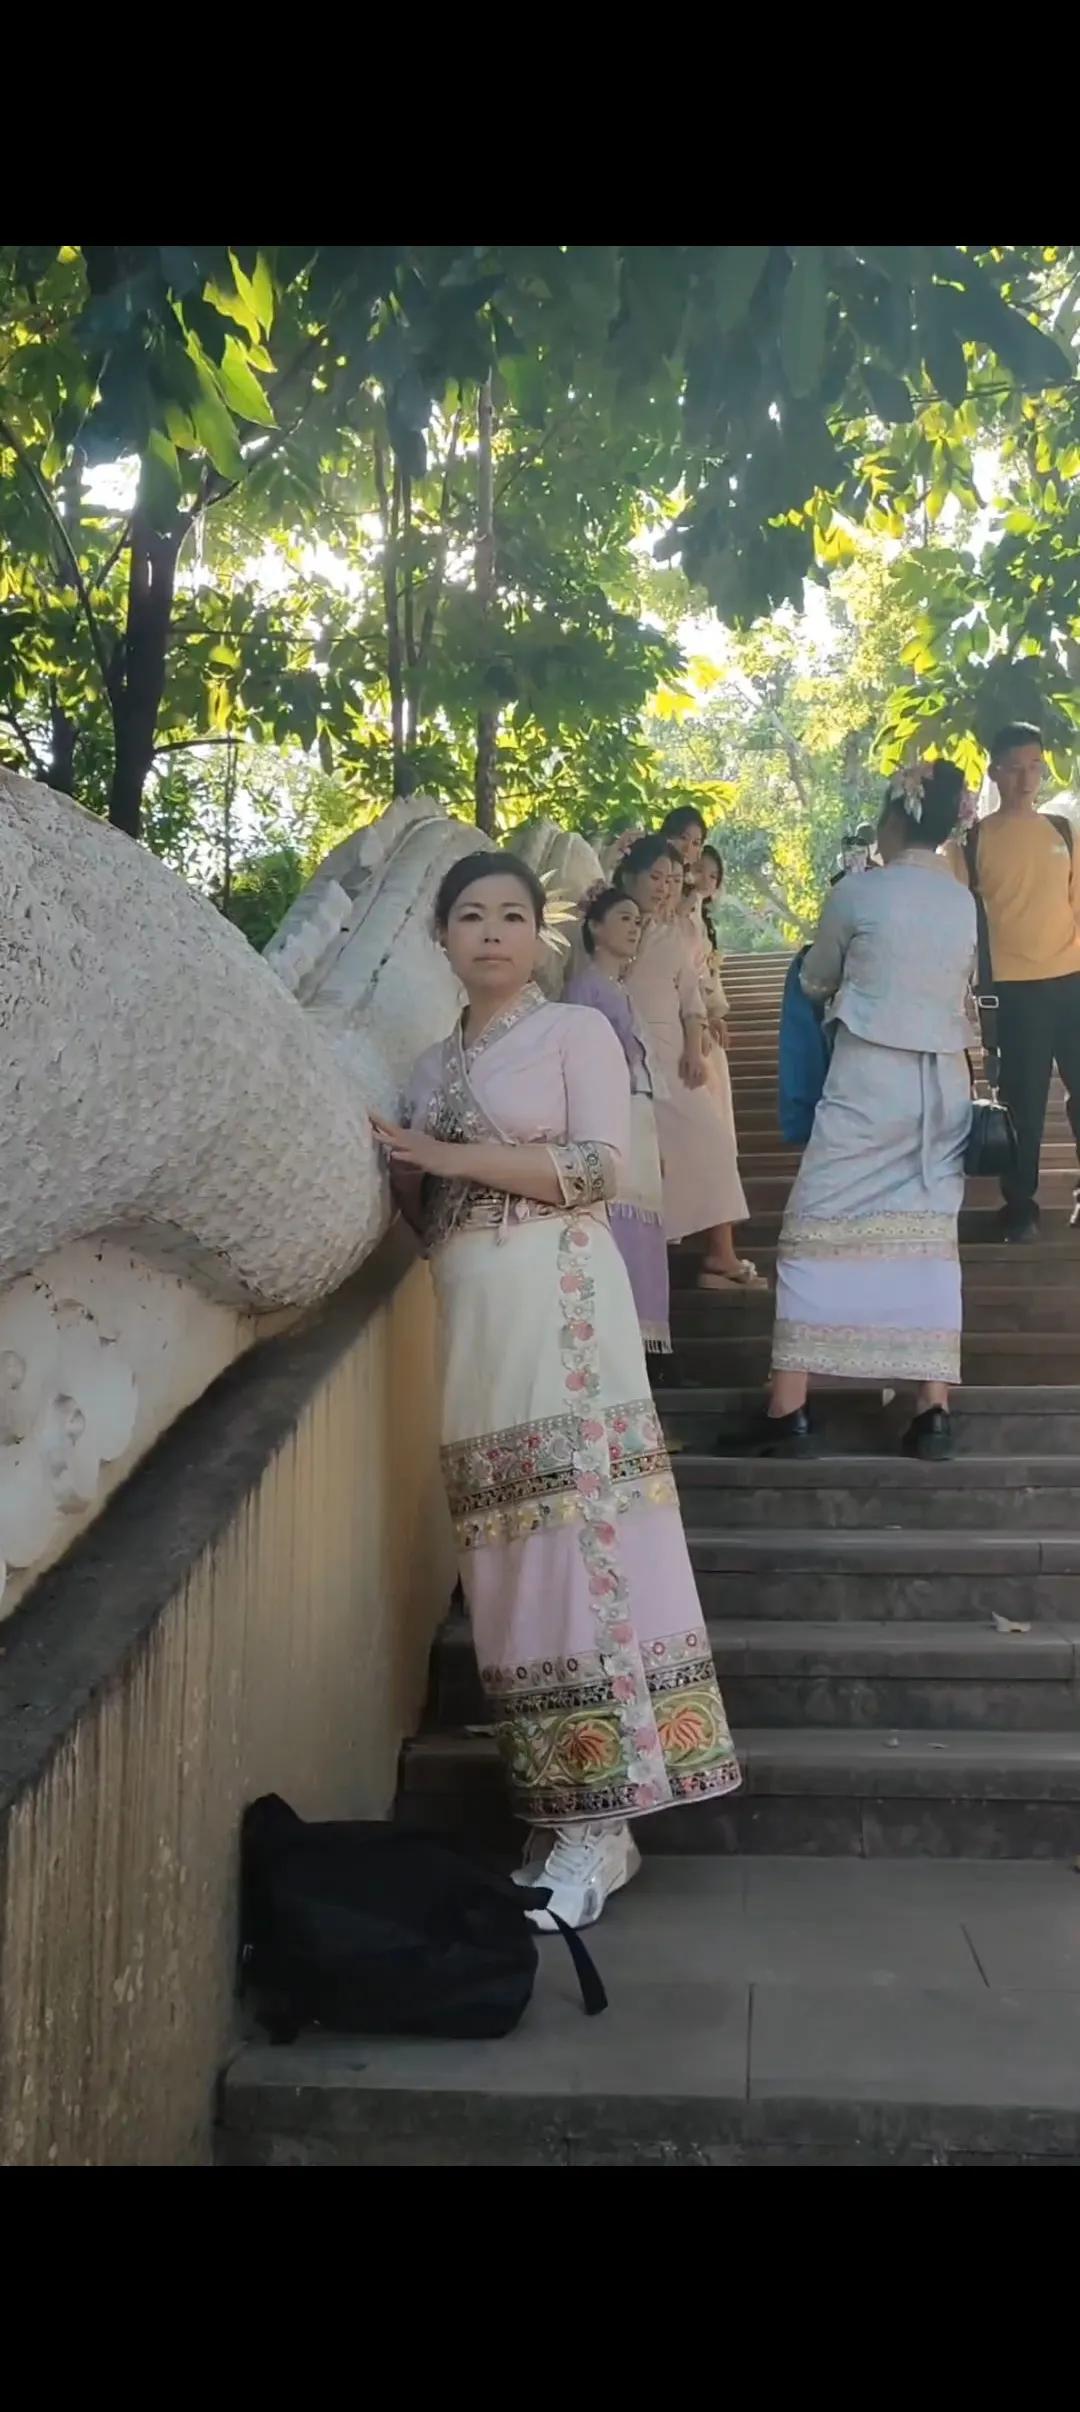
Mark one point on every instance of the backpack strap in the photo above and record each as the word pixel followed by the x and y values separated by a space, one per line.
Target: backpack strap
pixel 985 994
pixel 593 1997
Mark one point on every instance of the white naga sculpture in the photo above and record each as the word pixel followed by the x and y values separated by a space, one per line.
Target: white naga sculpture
pixel 184 1127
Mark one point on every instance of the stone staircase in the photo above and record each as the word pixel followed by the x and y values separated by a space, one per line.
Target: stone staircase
pixel 788 1977
pixel 851 1600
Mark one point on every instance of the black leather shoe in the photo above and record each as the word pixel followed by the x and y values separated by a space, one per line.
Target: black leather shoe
pixel 1018 1223
pixel 787 1435
pixel 930 1437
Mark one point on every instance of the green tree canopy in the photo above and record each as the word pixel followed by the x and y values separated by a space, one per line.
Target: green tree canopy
pixel 242 492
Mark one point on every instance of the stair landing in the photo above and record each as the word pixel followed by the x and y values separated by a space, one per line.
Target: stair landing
pixel 761 2012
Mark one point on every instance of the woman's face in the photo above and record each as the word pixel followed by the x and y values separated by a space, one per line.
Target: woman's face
pixel 620 930
pixel 688 843
pixel 650 889
pixel 708 878
pixel 491 936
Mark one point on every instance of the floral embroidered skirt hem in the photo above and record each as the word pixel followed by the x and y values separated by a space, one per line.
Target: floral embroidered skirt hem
pixel 868 1267
pixel 586 1621
pixel 637 1228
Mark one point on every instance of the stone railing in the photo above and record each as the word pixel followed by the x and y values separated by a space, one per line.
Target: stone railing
pixel 189 1170
pixel 184 1129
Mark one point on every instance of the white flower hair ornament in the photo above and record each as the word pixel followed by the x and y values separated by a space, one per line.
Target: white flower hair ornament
pixel 906 789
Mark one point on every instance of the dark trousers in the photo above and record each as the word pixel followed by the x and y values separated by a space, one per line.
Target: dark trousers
pixel 1038 1027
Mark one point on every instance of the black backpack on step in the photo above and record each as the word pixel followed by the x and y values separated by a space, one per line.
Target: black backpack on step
pixel 369 1929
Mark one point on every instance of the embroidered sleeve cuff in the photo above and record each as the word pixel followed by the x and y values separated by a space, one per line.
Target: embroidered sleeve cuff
pixel 586 1171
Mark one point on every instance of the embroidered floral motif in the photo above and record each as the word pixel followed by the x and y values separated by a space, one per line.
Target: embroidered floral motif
pixel 584 1171
pixel 595 1462
pixel 871 1235
pixel 531 1463
pixel 879 1350
pixel 572 1757
pixel 498 1527
pixel 455 1114
pixel 580 1681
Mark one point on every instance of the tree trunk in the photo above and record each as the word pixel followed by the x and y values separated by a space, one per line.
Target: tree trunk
pixel 62 735
pixel 487 720
pixel 138 678
pixel 390 516
pixel 227 801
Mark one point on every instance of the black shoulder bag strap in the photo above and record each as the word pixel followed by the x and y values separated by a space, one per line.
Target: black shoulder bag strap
pixel 985 993
pixel 534 1897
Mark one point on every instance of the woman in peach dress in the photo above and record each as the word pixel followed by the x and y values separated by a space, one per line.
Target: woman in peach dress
pixel 585 1615
pixel 697 928
pixel 702 1189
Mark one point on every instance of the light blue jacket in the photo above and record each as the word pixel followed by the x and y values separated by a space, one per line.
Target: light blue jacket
pixel 895 954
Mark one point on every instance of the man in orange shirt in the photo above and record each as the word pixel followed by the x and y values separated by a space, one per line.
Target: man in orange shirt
pixel 1024 874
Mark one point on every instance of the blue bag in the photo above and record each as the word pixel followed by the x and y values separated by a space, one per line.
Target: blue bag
pixel 805 1050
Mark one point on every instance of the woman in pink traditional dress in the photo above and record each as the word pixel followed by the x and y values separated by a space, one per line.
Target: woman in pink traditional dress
pixel 702 1189
pixel 697 928
pixel 708 879
pixel 585 1615
pixel 610 930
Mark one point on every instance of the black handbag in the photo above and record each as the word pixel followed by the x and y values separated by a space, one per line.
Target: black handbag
pixel 991 1152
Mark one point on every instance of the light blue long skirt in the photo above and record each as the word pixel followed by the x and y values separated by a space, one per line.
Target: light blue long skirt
pixel 868 1267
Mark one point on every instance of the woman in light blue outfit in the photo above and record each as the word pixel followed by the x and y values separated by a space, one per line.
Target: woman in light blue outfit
pixel 868 1268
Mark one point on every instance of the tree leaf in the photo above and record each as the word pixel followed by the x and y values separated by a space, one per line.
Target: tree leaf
pixel 214 426
pixel 240 389
pixel 889 397
pixel 942 350
pixel 802 320
pixel 739 270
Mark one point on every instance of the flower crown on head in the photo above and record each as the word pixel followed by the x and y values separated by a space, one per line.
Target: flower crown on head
pixel 907 788
pixel 592 895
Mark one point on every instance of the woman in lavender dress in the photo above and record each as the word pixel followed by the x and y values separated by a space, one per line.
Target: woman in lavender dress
pixel 611 927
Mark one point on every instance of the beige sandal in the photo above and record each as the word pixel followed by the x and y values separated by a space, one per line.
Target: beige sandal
pixel 747 1278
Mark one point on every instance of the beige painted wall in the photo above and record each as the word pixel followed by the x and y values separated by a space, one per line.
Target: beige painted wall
pixel 288 1654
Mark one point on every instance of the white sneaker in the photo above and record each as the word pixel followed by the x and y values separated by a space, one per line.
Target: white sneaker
pixel 579 1866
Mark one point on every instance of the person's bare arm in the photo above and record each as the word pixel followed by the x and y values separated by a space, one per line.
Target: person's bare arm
pixel 576 1172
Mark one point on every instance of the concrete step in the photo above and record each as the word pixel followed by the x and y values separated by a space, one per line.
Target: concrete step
pixel 862 1674
pixel 821 1791
pixel 843 1494
pixel 1032 1421
pixel 761 2014
pixel 1053 1261
pixel 854 1577
pixel 1009 1357
pixel 993 1306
